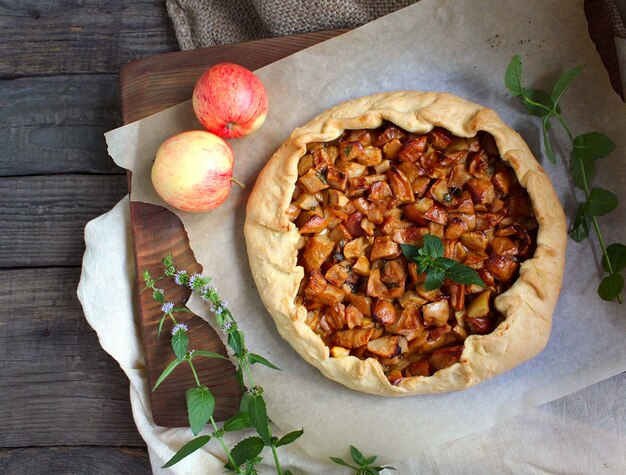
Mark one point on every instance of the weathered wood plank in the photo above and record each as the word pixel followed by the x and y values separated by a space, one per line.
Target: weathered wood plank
pixel 55 124
pixel 43 217
pixel 75 460
pixel 57 385
pixel 40 37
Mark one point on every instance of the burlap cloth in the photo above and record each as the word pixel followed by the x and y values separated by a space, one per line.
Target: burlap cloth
pixel 203 23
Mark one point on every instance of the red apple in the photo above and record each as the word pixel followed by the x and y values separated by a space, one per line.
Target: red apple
pixel 193 170
pixel 230 101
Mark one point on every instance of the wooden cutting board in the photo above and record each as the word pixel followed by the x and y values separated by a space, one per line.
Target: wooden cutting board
pixel 153 84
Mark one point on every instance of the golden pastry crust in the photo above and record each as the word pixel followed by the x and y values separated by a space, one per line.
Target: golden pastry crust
pixel 527 305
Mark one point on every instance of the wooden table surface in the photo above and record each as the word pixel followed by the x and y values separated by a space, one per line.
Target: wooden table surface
pixel 64 402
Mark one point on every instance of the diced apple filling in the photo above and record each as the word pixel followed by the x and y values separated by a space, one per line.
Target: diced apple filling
pixel 361 196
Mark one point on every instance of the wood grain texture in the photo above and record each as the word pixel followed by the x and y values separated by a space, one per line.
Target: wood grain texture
pixel 75 460
pixel 40 37
pixel 56 124
pixel 147 87
pixel 43 216
pixel 57 385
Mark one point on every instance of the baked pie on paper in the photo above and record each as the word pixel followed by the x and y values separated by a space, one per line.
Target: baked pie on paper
pixel 329 211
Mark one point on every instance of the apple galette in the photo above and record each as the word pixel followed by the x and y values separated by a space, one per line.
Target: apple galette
pixel 340 211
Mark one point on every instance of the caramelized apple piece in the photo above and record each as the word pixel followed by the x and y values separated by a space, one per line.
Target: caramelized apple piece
pixel 459 176
pixel 352 338
pixel 439 191
pixel 305 163
pixel 485 221
pixel 384 312
pixel 316 252
pixel 410 235
pixel 502 180
pixel 353 224
pixel 503 268
pixel 393 272
pixel 370 157
pixel 436 313
pixel 408 323
pixel 337 179
pixel 390 133
pixel 455 229
pixel 322 159
pixel 355 248
pixel 339 352
pixel 446 357
pixel 457 296
pixel 400 185
pixel 353 169
pixel 437 214
pixel 394 377
pixel 354 316
pixel 482 190
pixel 306 201
pixel 479 307
pixel 361 302
pixel 361 266
pixel 418 368
pixel 475 240
pixel 439 138
pixel 384 248
pixel 350 150
pixel 313 181
pixel 391 149
pixel 379 191
pixel 410 297
pixel 337 274
pixel 388 346
pixel 316 284
pixel 504 246
pixel 329 296
pixel 315 224
pixel 412 149
pixel 480 325
pixel 375 287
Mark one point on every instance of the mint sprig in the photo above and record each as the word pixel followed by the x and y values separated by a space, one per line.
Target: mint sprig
pixel 587 150
pixel 430 260
pixel 365 466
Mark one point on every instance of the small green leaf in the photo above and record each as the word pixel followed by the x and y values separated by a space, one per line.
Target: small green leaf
pixel 540 97
pixel 200 406
pixel 235 341
pixel 434 279
pixel 464 275
pixel 247 449
pixel 339 461
pixel 371 460
pixel 444 263
pixel 258 417
pixel 592 146
pixel 577 167
pixel 356 455
pixel 601 202
pixel 546 139
pixel 180 344
pixel 254 358
pixel 158 295
pixel 580 227
pixel 564 83
pixel 245 400
pixel 289 438
pixel 617 257
pixel 513 76
pixel 611 286
pixel 239 374
pixel 410 251
pixel 433 246
pixel 239 421
pixel 166 372
pixel 209 354
pixel 187 449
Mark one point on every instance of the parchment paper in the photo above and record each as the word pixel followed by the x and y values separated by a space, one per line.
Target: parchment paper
pixel 461 47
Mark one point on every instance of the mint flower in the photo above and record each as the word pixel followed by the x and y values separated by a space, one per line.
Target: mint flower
pixel 181 277
pixel 167 307
pixel 178 328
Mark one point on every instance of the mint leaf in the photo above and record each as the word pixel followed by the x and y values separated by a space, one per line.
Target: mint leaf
pixel 187 449
pixel 237 422
pixel 339 461
pixel 209 354
pixel 433 246
pixel 410 251
pixel 592 146
pixel 289 438
pixel 245 400
pixel 356 455
pixel 611 286
pixel 200 406
pixel 601 202
pixel 180 344
pixel 166 372
pixel 580 226
pixel 564 83
pixel 235 341
pixel 539 96
pixel 546 139
pixel 617 257
pixel 464 275
pixel 258 417
pixel 579 166
pixel 434 279
pixel 444 263
pixel 247 449
pixel 254 358
pixel 513 76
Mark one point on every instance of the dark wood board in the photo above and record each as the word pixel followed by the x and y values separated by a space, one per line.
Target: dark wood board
pixel 154 84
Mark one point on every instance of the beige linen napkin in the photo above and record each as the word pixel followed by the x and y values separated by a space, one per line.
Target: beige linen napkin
pixel 584 432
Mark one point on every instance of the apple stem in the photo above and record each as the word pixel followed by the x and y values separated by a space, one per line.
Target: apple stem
pixel 234 180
